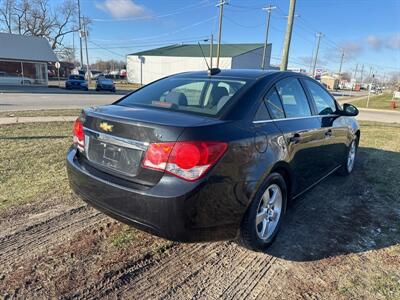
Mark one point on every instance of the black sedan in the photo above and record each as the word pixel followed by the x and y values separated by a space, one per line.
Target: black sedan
pixel 203 156
pixel 76 82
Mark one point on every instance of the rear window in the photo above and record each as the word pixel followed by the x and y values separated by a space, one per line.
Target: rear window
pixel 199 96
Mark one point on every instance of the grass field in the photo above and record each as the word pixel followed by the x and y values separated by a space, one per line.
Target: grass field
pixel 32 158
pixel 340 241
pixel 381 101
pixel 32 161
pixel 41 113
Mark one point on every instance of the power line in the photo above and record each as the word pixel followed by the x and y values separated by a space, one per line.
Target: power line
pixel 202 4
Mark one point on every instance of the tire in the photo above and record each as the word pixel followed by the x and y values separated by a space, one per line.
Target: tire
pixel 97 90
pixel 252 236
pixel 349 161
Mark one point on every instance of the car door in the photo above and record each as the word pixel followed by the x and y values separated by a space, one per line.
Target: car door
pixel 292 113
pixel 333 126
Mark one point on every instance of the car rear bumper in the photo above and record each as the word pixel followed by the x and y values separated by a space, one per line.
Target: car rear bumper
pixel 168 209
pixel 105 87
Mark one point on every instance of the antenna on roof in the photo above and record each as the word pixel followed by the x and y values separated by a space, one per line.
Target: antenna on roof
pixel 208 67
pixel 211 71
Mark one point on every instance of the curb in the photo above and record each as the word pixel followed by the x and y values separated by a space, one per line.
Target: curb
pixel 379 110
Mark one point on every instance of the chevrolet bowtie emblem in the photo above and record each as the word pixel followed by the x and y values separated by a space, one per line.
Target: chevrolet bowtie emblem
pixel 106 127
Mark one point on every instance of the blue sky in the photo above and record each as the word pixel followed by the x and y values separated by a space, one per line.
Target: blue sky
pixel 367 30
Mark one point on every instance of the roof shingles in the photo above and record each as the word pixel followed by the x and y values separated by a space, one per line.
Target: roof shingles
pixel 227 50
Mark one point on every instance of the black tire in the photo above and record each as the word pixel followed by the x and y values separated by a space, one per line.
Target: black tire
pixel 97 90
pixel 249 237
pixel 344 170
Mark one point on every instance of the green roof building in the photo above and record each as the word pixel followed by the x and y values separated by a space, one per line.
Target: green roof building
pixel 149 65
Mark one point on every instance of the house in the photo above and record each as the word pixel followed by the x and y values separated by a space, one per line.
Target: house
pixel 332 82
pixel 146 66
pixel 24 59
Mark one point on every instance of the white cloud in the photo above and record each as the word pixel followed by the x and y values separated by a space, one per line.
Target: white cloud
pixel 393 42
pixel 121 9
pixel 374 41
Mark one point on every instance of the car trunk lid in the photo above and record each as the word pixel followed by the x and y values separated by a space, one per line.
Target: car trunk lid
pixel 116 138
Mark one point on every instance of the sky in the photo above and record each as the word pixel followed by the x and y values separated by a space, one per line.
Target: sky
pixel 368 31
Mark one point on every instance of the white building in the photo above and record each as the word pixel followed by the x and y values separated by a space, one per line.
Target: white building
pixel 23 59
pixel 147 66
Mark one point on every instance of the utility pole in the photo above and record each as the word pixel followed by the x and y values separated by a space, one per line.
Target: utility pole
pixel 341 64
pixel 87 53
pixel 221 13
pixel 288 36
pixel 362 72
pixel 269 10
pixel 211 50
pixel 80 31
pixel 319 35
pixel 355 73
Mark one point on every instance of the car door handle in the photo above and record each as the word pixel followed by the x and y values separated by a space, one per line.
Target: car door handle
pixel 328 133
pixel 295 138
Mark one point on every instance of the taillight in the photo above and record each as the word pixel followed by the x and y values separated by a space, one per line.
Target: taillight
pixel 187 160
pixel 79 134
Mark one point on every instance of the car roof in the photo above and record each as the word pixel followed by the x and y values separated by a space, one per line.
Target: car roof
pixel 233 73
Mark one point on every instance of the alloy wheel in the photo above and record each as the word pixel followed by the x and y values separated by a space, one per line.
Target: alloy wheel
pixel 351 156
pixel 269 212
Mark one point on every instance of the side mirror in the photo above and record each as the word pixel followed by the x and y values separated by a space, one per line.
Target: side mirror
pixel 349 110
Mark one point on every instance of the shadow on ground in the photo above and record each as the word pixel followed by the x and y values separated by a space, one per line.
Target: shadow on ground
pixel 344 215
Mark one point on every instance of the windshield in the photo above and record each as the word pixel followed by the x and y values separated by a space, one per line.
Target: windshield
pixel 197 95
pixel 76 77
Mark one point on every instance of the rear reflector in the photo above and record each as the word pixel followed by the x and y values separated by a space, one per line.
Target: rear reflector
pixel 79 134
pixel 187 160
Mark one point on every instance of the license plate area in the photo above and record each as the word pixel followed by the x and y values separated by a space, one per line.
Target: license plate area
pixel 114 157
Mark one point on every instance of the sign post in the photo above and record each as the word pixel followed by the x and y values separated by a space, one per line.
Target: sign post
pixel 57 65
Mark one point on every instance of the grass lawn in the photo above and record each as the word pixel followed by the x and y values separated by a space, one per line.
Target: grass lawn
pixel 32 161
pixel 41 113
pixel 32 158
pixel 381 101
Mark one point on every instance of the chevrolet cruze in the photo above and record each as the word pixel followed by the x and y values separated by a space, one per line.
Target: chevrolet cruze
pixel 218 155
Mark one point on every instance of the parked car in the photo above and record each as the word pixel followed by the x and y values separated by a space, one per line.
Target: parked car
pixel 11 79
pixel 76 82
pixel 103 83
pixel 204 157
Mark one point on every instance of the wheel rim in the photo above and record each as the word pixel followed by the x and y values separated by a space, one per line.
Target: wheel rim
pixel 269 212
pixel 351 156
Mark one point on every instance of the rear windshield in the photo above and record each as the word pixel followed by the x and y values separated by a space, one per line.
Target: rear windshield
pixel 199 96
pixel 76 77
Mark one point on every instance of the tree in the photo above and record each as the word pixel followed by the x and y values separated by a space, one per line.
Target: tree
pixel 346 76
pixel 108 65
pixel 39 18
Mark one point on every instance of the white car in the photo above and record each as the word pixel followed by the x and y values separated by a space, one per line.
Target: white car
pixel 6 78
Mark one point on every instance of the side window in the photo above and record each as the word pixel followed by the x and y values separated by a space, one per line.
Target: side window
pixel 324 102
pixel 274 104
pixel 262 113
pixel 294 99
pixel 192 91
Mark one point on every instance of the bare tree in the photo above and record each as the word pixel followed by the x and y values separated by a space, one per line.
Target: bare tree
pixel 39 18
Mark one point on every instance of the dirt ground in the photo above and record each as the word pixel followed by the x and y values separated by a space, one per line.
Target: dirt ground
pixel 340 241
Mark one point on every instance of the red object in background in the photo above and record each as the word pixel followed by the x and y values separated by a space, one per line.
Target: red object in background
pixel 393 104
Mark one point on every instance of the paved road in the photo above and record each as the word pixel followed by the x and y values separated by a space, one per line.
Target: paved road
pixel 24 101
pixel 379 116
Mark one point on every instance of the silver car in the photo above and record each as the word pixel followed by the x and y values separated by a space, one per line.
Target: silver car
pixel 105 84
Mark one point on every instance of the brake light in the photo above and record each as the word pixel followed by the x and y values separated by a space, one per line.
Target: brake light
pixel 79 134
pixel 187 160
